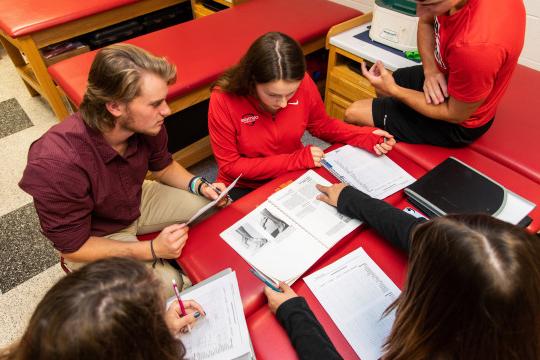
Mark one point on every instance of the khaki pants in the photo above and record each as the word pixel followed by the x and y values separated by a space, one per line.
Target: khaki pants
pixel 161 206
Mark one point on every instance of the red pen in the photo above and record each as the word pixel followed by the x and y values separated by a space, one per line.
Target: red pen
pixel 182 308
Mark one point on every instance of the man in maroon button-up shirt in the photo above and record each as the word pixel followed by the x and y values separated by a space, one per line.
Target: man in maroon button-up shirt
pixel 87 174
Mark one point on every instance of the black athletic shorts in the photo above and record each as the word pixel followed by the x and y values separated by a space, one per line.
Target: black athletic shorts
pixel 407 125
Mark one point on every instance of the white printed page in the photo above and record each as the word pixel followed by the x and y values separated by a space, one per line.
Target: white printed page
pixel 213 202
pixel 268 240
pixel 355 292
pixel 377 176
pixel 222 333
pixel 299 201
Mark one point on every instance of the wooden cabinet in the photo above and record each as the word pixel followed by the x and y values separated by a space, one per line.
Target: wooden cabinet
pixel 344 85
pixel 344 82
pixel 336 105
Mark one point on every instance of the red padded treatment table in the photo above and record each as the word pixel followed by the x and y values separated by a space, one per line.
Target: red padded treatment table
pixel 204 48
pixel 29 25
pixel 512 140
pixel 270 340
pixel 206 253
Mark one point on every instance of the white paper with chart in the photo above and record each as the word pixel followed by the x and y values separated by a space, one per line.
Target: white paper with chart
pixel 222 334
pixel 377 176
pixel 290 231
pixel 355 292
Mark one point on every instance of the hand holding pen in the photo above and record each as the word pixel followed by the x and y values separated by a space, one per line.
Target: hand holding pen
pixel 266 280
pixel 277 298
pixel 218 188
pixel 182 313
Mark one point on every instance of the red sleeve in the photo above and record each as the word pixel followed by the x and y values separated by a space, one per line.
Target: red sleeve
pixel 333 130
pixel 223 138
pixel 62 202
pixel 472 71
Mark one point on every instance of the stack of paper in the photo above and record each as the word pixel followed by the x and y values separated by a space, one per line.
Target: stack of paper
pixel 377 176
pixel 355 292
pixel 222 334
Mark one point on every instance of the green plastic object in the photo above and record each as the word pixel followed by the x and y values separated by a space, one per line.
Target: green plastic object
pixel 413 55
pixel 407 7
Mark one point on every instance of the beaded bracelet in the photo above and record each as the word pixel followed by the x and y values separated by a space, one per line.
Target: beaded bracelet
pixel 191 185
pixel 203 181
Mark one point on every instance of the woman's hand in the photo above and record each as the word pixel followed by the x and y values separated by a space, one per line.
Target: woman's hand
pixel 178 323
pixel 330 194
pixel 385 146
pixel 275 299
pixel 317 153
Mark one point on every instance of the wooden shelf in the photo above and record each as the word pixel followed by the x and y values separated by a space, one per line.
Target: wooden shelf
pixel 199 10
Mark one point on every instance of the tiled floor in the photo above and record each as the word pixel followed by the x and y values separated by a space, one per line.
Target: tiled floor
pixel 28 263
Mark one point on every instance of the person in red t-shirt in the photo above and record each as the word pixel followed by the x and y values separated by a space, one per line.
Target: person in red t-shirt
pixel 260 109
pixel 469 50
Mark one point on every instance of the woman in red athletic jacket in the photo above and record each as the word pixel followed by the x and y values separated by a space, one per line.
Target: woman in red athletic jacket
pixel 259 110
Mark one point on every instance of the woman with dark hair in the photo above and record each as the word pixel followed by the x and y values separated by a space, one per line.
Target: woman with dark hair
pixel 259 110
pixel 109 309
pixel 472 289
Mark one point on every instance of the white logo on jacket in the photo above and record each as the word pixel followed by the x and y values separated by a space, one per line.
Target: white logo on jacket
pixel 249 119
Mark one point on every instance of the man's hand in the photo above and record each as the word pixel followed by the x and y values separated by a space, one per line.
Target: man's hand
pixel 381 79
pixel 387 145
pixel 170 241
pixel 178 323
pixel 209 193
pixel 435 87
pixel 275 299
pixel 317 154
pixel 330 194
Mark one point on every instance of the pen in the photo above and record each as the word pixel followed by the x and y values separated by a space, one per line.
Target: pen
pixel 215 188
pixel 265 280
pixel 182 308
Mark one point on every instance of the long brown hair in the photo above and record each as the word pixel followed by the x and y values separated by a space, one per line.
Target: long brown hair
pixel 273 56
pixel 110 309
pixel 115 75
pixel 472 292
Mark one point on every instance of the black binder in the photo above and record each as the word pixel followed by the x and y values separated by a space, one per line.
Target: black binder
pixel 453 187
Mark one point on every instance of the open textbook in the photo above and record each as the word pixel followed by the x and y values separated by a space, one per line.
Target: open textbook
pixel 355 292
pixel 290 231
pixel 377 176
pixel 222 334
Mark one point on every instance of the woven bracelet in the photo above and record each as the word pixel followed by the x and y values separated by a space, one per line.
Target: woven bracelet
pixel 154 254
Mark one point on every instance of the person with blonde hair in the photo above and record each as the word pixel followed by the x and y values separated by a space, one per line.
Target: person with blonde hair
pixel 87 174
